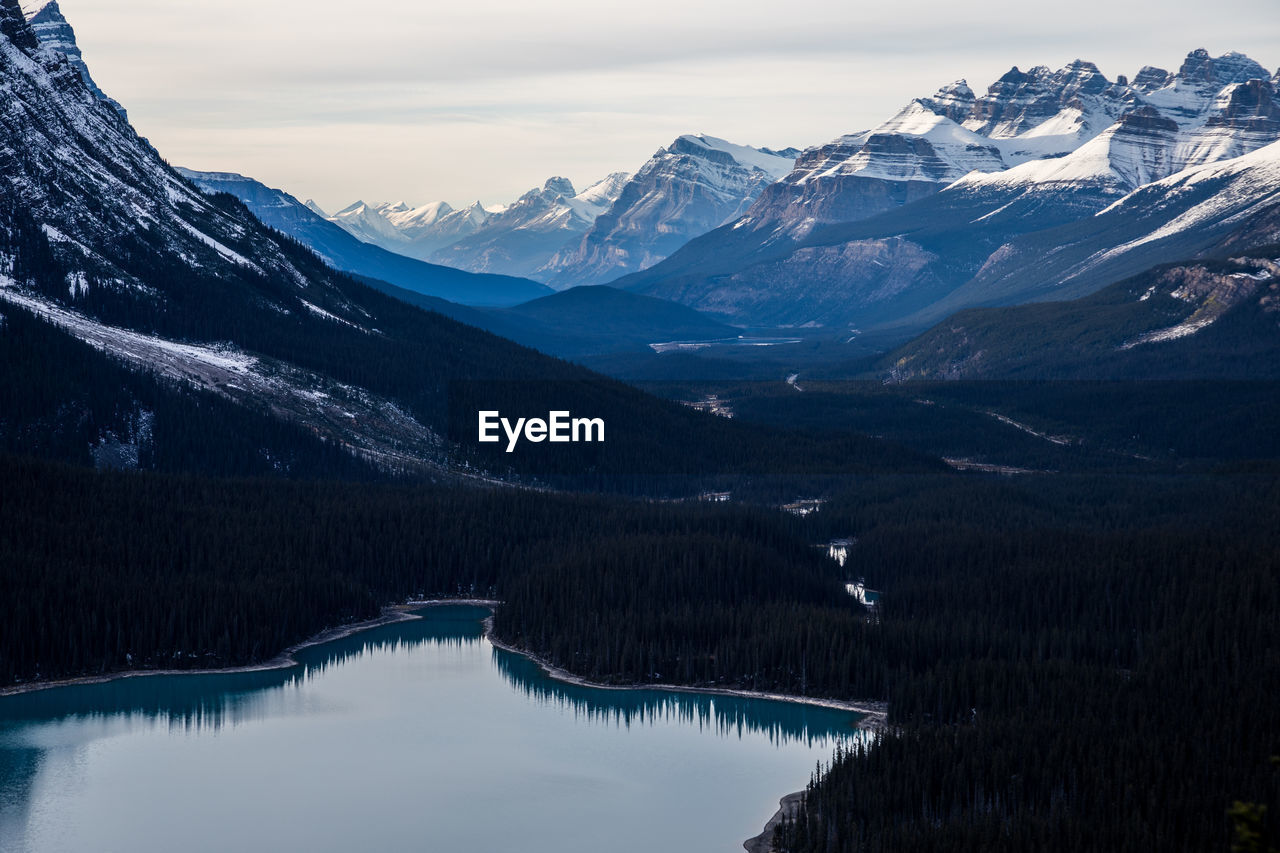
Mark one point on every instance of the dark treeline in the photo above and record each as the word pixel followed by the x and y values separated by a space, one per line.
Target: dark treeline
pixel 1075 665
pixel 109 571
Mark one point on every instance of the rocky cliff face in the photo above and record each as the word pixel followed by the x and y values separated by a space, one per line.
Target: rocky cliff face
pixel 1212 109
pixel 52 31
pixel 686 189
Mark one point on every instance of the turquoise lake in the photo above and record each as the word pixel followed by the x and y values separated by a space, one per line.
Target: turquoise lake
pixel 414 736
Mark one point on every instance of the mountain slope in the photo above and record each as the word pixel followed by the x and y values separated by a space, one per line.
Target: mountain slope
pixel 1189 321
pixel 344 252
pixel 1177 217
pixel 686 189
pixel 1213 318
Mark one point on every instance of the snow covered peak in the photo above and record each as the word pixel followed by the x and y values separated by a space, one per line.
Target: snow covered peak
pixel 917 145
pixel 354 207
pixel 1018 101
pixel 560 186
pixel 477 212
pixel 54 33
pixel 1136 150
pixel 1150 78
pixel 1189 97
pixel 315 208
pixel 605 191
pixel 1231 67
pixel 701 144
pixel 955 101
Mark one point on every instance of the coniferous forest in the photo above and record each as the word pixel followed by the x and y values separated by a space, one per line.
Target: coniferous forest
pixel 1071 663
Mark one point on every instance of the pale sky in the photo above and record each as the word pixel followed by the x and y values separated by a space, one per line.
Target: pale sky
pixel 484 99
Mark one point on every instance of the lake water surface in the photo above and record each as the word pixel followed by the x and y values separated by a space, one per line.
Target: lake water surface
pixel 414 736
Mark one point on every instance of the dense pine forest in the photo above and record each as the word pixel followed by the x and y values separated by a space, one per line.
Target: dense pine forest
pixel 107 571
pixel 1071 663
pixel 1076 665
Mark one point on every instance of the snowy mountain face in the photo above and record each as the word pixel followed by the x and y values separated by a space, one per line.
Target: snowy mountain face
pixel 685 190
pixel 476 238
pixel 416 232
pixel 963 197
pixel 53 31
pixel 522 238
pixel 1034 128
pixel 101 237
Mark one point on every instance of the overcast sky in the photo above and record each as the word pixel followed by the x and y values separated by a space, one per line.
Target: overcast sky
pixel 483 99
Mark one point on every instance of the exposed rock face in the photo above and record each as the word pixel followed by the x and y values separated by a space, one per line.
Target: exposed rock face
pixel 1018 101
pixel 52 31
pixel 686 189
pixel 13 26
pixel 913 155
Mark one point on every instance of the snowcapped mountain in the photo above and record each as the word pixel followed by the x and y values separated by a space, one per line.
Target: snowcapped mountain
pixel 1175 218
pixel 686 189
pixel 53 31
pixel 522 238
pixel 1046 127
pixel 417 232
pixel 344 252
pixel 514 240
pixel 891 226
pixel 566 238
pixel 1211 110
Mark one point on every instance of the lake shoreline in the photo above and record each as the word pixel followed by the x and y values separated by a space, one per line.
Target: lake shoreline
pixel 389 616
pixel 874 714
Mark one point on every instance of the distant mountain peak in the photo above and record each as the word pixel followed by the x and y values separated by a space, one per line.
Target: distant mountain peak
pixel 954 100
pixel 560 186
pixel 1231 67
pixel 1150 78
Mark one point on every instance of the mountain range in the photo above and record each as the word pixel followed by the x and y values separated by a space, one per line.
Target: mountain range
pixel 143 320
pixel 1137 210
pixel 557 235
pixel 343 251
pixel 1051 185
